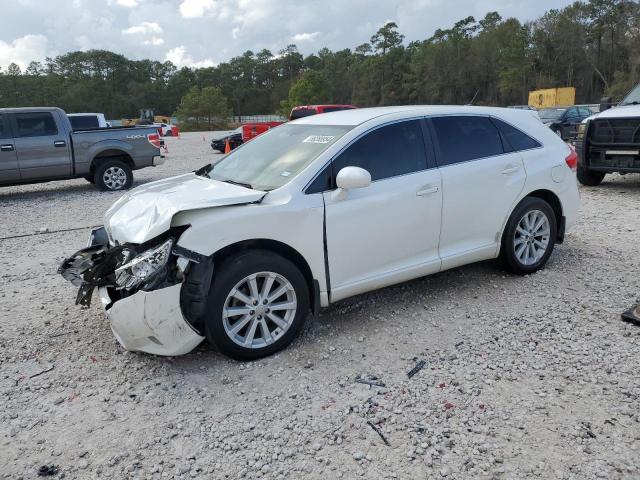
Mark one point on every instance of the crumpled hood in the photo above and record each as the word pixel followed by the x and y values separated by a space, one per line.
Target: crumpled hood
pixel 146 211
pixel 627 111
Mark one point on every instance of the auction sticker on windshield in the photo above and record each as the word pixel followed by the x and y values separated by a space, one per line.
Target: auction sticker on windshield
pixel 319 139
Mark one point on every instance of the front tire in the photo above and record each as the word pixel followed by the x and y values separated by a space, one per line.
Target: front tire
pixel 256 306
pixel 589 178
pixel 113 175
pixel 529 237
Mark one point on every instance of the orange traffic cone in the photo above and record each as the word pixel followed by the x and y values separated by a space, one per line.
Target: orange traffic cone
pixel 227 147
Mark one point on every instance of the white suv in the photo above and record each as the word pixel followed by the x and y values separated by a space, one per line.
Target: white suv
pixel 318 210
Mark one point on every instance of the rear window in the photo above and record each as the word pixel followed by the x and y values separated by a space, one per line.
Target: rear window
pixel 515 139
pixel 301 113
pixel 39 124
pixel 84 122
pixel 5 132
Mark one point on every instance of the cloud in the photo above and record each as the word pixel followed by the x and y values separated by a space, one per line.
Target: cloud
pixel 181 58
pixel 305 37
pixel 24 50
pixel 155 41
pixel 127 3
pixel 196 8
pixel 143 29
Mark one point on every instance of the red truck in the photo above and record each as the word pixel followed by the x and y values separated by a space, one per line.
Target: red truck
pixel 308 110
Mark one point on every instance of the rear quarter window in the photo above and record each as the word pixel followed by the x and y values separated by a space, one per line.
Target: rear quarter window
pixel 515 139
pixel 465 138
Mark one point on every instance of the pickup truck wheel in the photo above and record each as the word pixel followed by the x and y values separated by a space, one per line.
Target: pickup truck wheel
pixel 589 178
pixel 529 237
pixel 256 306
pixel 113 175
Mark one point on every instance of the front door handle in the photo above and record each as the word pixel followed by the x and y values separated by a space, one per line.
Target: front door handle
pixel 7 147
pixel 59 143
pixel 509 169
pixel 427 190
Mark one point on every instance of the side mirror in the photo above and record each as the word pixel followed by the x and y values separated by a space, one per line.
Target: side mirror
pixel 349 178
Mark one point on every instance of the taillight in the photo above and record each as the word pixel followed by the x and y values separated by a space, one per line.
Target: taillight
pixel 154 139
pixel 572 159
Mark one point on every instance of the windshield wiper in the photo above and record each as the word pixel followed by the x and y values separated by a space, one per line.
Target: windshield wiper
pixel 203 171
pixel 233 182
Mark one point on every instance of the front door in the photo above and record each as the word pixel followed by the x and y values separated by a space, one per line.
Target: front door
pixel 9 171
pixel 43 151
pixel 387 232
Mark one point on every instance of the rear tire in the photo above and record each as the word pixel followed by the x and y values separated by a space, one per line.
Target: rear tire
pixel 113 175
pixel 529 237
pixel 589 178
pixel 246 324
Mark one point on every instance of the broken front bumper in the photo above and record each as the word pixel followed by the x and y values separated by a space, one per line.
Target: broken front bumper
pixel 147 320
pixel 150 322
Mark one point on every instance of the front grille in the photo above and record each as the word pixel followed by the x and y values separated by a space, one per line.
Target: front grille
pixel 614 131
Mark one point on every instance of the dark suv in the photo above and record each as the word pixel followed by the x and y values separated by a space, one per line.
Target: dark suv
pixel 564 121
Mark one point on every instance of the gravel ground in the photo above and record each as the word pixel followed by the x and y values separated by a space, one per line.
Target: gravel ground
pixel 524 377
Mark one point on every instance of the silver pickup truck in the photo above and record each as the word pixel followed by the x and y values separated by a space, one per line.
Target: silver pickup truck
pixel 39 145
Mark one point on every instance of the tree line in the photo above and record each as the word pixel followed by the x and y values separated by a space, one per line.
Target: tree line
pixel 592 45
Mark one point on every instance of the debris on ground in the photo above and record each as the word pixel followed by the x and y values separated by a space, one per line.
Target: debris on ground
pixel 419 366
pixel 379 432
pixel 49 470
pixel 371 380
pixel 632 315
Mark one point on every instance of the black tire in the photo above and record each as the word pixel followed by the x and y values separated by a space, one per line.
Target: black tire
pixel 226 278
pixel 508 257
pixel 117 166
pixel 589 178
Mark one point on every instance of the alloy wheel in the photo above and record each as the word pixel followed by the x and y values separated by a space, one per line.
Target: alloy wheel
pixel 259 310
pixel 531 237
pixel 114 178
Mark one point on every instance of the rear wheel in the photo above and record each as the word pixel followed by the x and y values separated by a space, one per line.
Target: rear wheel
pixel 256 306
pixel 589 178
pixel 529 237
pixel 113 175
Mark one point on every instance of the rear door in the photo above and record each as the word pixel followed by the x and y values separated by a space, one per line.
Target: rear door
pixel 42 148
pixel 480 183
pixel 9 170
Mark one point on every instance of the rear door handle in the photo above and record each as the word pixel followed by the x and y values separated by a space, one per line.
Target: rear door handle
pixel 509 169
pixel 59 143
pixel 6 147
pixel 427 190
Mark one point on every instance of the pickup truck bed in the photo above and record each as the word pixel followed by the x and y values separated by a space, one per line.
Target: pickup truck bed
pixel 39 145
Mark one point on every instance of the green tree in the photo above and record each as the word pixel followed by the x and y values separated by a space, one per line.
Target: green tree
pixel 311 88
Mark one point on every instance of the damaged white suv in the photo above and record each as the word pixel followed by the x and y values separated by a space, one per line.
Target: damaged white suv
pixel 320 209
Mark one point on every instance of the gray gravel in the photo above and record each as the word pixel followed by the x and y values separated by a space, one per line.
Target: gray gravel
pixel 532 377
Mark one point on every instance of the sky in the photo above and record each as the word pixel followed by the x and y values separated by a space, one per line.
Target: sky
pixel 197 33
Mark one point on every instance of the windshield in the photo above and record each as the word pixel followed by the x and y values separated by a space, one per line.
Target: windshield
pixel 633 98
pixel 549 114
pixel 277 156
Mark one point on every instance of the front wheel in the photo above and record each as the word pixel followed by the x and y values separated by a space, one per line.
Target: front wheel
pixel 589 178
pixel 256 306
pixel 529 236
pixel 113 175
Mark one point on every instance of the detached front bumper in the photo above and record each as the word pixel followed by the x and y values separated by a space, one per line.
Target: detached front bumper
pixel 150 322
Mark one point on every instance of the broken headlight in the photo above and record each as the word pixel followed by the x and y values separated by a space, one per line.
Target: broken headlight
pixel 143 267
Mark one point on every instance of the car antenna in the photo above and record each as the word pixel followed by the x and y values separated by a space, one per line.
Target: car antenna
pixel 474 98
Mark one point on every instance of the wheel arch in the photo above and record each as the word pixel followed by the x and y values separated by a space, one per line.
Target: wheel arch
pixel 111 154
pixel 281 249
pixel 553 201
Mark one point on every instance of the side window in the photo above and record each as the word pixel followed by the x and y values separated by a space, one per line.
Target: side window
pixel 39 124
pixel 515 139
pixel 571 113
pixel 5 131
pixel 466 138
pixel 585 112
pixel 322 182
pixel 388 151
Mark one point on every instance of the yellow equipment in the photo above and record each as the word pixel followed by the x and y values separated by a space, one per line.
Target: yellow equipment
pixel 146 118
pixel 553 97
